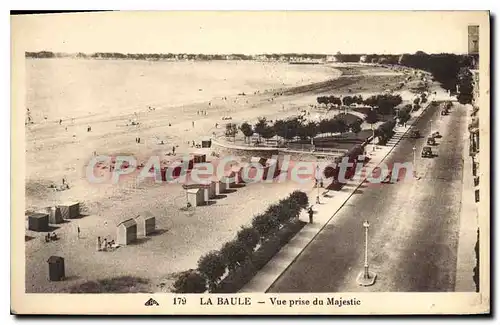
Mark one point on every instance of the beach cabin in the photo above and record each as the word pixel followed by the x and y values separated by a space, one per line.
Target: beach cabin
pixel 38 222
pixel 273 168
pixel 211 190
pixel 195 196
pixel 55 215
pixel 146 225
pixel 220 187
pixel 69 210
pixel 126 232
pixel 258 160
pixel 56 268
pixel 206 143
pixel 190 162
pixel 199 158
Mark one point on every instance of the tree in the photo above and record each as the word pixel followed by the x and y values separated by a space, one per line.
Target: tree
pixel 212 267
pixel 355 127
pixel 290 208
pixel 322 100
pixel 234 253
pixel 268 132
pixel 231 130
pixel 280 128
pixel 265 224
pixel 342 126
pixel 310 129
pixel 465 87
pixel 249 237
pixel 247 130
pixel 260 126
pixel 276 211
pixel 301 198
pixel 190 282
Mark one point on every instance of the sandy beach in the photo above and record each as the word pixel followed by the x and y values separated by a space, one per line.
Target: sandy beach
pixel 55 150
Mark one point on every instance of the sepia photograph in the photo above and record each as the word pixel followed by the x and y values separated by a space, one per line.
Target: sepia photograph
pixel 263 162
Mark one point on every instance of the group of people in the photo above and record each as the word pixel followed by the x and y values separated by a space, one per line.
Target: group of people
pixel 105 245
pixel 51 237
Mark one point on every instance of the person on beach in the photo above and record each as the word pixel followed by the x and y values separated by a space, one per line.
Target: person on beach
pixel 78 230
pixel 173 150
pixel 192 123
pixel 99 244
pixel 60 121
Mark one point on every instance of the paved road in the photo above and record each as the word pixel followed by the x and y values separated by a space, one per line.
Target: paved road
pixel 414 224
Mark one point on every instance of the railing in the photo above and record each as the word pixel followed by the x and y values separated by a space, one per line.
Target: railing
pixel 330 150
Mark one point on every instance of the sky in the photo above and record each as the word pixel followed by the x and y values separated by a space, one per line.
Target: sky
pixel 253 32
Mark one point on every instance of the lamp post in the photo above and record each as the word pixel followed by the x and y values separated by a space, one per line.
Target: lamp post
pixel 366 278
pixel 414 162
pixel 317 184
pixel 373 131
pixel 366 224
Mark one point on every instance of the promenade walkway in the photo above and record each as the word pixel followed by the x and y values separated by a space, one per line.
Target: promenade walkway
pixel 330 203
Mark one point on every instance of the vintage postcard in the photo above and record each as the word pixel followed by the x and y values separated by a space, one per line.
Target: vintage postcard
pixel 251 163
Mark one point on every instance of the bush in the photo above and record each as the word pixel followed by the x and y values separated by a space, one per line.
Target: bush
pixel 234 253
pixel 212 267
pixel 249 237
pixel 190 282
pixel 265 224
pixel 301 198
pixel 279 212
pixel 385 129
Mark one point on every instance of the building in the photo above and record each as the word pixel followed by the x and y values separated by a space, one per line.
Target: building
pixel 473 50
pixel 126 232
pixel 146 224
pixel 220 187
pixel 70 210
pixel 38 222
pixel 55 215
pixel 195 196
pixel 473 39
pixel 56 268
pixel 330 59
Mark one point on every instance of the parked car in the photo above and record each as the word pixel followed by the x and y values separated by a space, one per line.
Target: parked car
pixel 431 141
pixel 444 112
pixel 415 134
pixel 436 135
pixel 427 152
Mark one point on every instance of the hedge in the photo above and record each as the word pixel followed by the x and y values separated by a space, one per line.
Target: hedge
pixel 238 261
